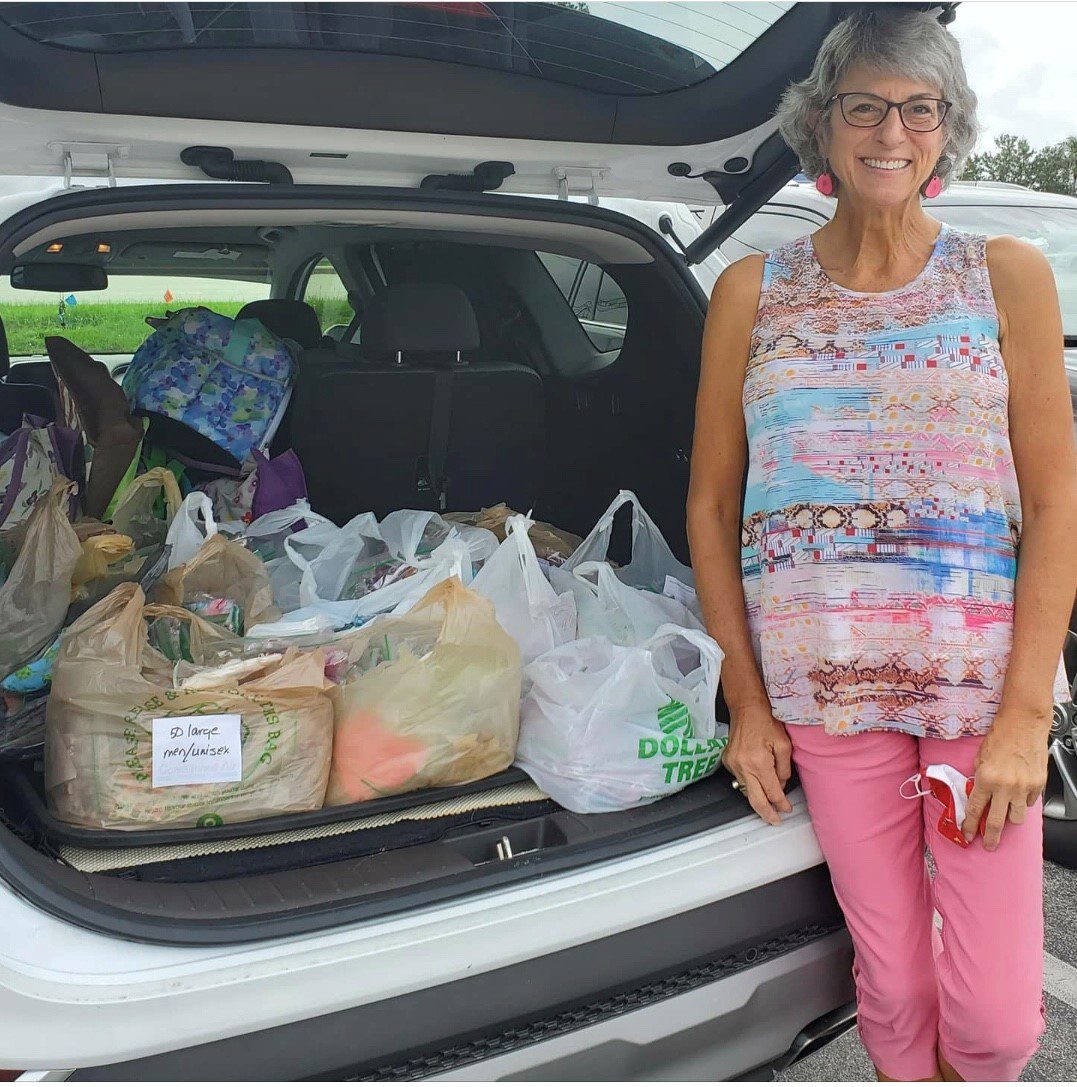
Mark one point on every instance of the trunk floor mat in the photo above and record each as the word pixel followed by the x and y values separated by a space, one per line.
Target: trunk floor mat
pixel 106 860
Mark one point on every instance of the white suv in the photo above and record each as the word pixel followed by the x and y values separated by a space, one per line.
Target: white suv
pixel 482 932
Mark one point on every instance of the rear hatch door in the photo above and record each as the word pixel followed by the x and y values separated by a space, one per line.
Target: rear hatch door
pixel 645 100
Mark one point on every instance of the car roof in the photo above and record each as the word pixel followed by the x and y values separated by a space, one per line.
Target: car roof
pixel 803 192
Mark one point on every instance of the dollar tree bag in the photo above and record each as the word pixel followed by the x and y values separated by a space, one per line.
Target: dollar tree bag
pixel 605 727
pixel 110 684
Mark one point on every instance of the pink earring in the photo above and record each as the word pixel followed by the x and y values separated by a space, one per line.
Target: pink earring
pixel 825 183
pixel 933 187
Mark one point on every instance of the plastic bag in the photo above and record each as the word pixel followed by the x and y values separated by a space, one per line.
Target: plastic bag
pixel 109 684
pixel 37 591
pixel 31 460
pixel 606 607
pixel 265 535
pixel 653 565
pixel 552 545
pixel 99 553
pixel 429 698
pixel 526 604
pixel 369 569
pixel 185 535
pixel 135 513
pixel 606 727
pixel 222 568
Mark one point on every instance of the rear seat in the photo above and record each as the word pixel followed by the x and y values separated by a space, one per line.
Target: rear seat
pixel 26 389
pixel 289 318
pixel 404 421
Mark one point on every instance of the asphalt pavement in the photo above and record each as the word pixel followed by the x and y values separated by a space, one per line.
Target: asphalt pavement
pixel 844 1061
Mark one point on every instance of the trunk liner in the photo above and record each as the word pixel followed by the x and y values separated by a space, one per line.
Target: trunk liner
pixel 490 801
pixel 23 788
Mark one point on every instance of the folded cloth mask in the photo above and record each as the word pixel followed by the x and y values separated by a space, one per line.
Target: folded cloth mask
pixel 952 789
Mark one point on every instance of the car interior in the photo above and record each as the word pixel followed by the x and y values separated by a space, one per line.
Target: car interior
pixel 454 369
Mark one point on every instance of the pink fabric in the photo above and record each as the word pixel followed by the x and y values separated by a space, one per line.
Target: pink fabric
pixel 978 990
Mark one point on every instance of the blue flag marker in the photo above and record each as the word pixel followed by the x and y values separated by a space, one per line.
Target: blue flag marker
pixel 71 300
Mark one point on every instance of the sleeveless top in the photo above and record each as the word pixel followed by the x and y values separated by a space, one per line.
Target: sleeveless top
pixel 882 515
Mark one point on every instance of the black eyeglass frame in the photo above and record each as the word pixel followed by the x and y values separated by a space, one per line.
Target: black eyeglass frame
pixel 840 99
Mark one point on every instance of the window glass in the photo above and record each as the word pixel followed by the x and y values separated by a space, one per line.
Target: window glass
pixel 595 298
pixel 611 307
pixel 328 295
pixel 563 271
pixel 586 299
pixel 1053 231
pixel 766 230
pixel 113 321
pixel 627 47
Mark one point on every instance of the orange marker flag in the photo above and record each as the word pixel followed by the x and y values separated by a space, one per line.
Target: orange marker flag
pixel 169 296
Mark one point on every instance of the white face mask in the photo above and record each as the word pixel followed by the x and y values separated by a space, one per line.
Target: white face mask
pixel 954 779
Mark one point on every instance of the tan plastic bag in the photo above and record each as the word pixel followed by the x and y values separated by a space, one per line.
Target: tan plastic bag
pixel 134 516
pixel 35 596
pixel 551 544
pixel 109 684
pixel 98 554
pixel 429 698
pixel 222 568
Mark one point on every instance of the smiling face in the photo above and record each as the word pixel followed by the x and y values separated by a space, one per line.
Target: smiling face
pixel 887 164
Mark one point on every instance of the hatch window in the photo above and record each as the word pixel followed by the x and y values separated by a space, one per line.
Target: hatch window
pixel 595 297
pixel 326 292
pixel 113 321
pixel 617 48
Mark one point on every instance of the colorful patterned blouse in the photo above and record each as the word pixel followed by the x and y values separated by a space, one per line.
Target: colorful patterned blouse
pixel 882 515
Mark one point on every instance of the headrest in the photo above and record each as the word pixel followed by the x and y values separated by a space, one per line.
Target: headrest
pixel 419 318
pixel 289 318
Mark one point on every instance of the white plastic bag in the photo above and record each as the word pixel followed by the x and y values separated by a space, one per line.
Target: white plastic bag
pixel 607 607
pixel 606 727
pixel 185 535
pixel 367 569
pixel 653 565
pixel 266 534
pixel 526 604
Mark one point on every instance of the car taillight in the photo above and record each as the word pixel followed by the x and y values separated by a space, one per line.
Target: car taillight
pixel 8 1074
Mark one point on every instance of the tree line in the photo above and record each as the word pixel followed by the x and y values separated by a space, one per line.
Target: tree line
pixel 1048 169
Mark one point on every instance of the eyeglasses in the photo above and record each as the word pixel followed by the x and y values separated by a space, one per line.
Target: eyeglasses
pixel 863 110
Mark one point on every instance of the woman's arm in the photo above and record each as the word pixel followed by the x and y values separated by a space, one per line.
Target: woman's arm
pixel 759 750
pixel 1012 769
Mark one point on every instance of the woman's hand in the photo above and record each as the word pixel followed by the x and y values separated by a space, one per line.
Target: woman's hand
pixel 1010 774
pixel 760 756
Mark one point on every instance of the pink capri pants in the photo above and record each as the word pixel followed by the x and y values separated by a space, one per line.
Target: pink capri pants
pixel 977 990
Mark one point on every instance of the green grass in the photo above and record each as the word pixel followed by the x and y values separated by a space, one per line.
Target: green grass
pixel 117 327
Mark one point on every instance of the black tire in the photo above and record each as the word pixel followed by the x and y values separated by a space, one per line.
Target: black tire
pixel 1060 841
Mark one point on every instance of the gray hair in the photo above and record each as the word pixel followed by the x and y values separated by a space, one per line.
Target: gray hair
pixel 911 44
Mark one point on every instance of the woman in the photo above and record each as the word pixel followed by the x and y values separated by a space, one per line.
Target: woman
pixel 898 391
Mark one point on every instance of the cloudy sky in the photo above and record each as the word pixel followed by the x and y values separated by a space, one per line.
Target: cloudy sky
pixel 1020 56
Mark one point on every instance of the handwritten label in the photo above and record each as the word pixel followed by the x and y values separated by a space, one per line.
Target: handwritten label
pixel 202 750
pixel 684 594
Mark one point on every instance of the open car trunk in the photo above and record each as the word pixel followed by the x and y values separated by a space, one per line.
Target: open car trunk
pixel 618 414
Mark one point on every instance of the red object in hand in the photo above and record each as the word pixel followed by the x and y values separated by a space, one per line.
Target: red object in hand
pixel 949 821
